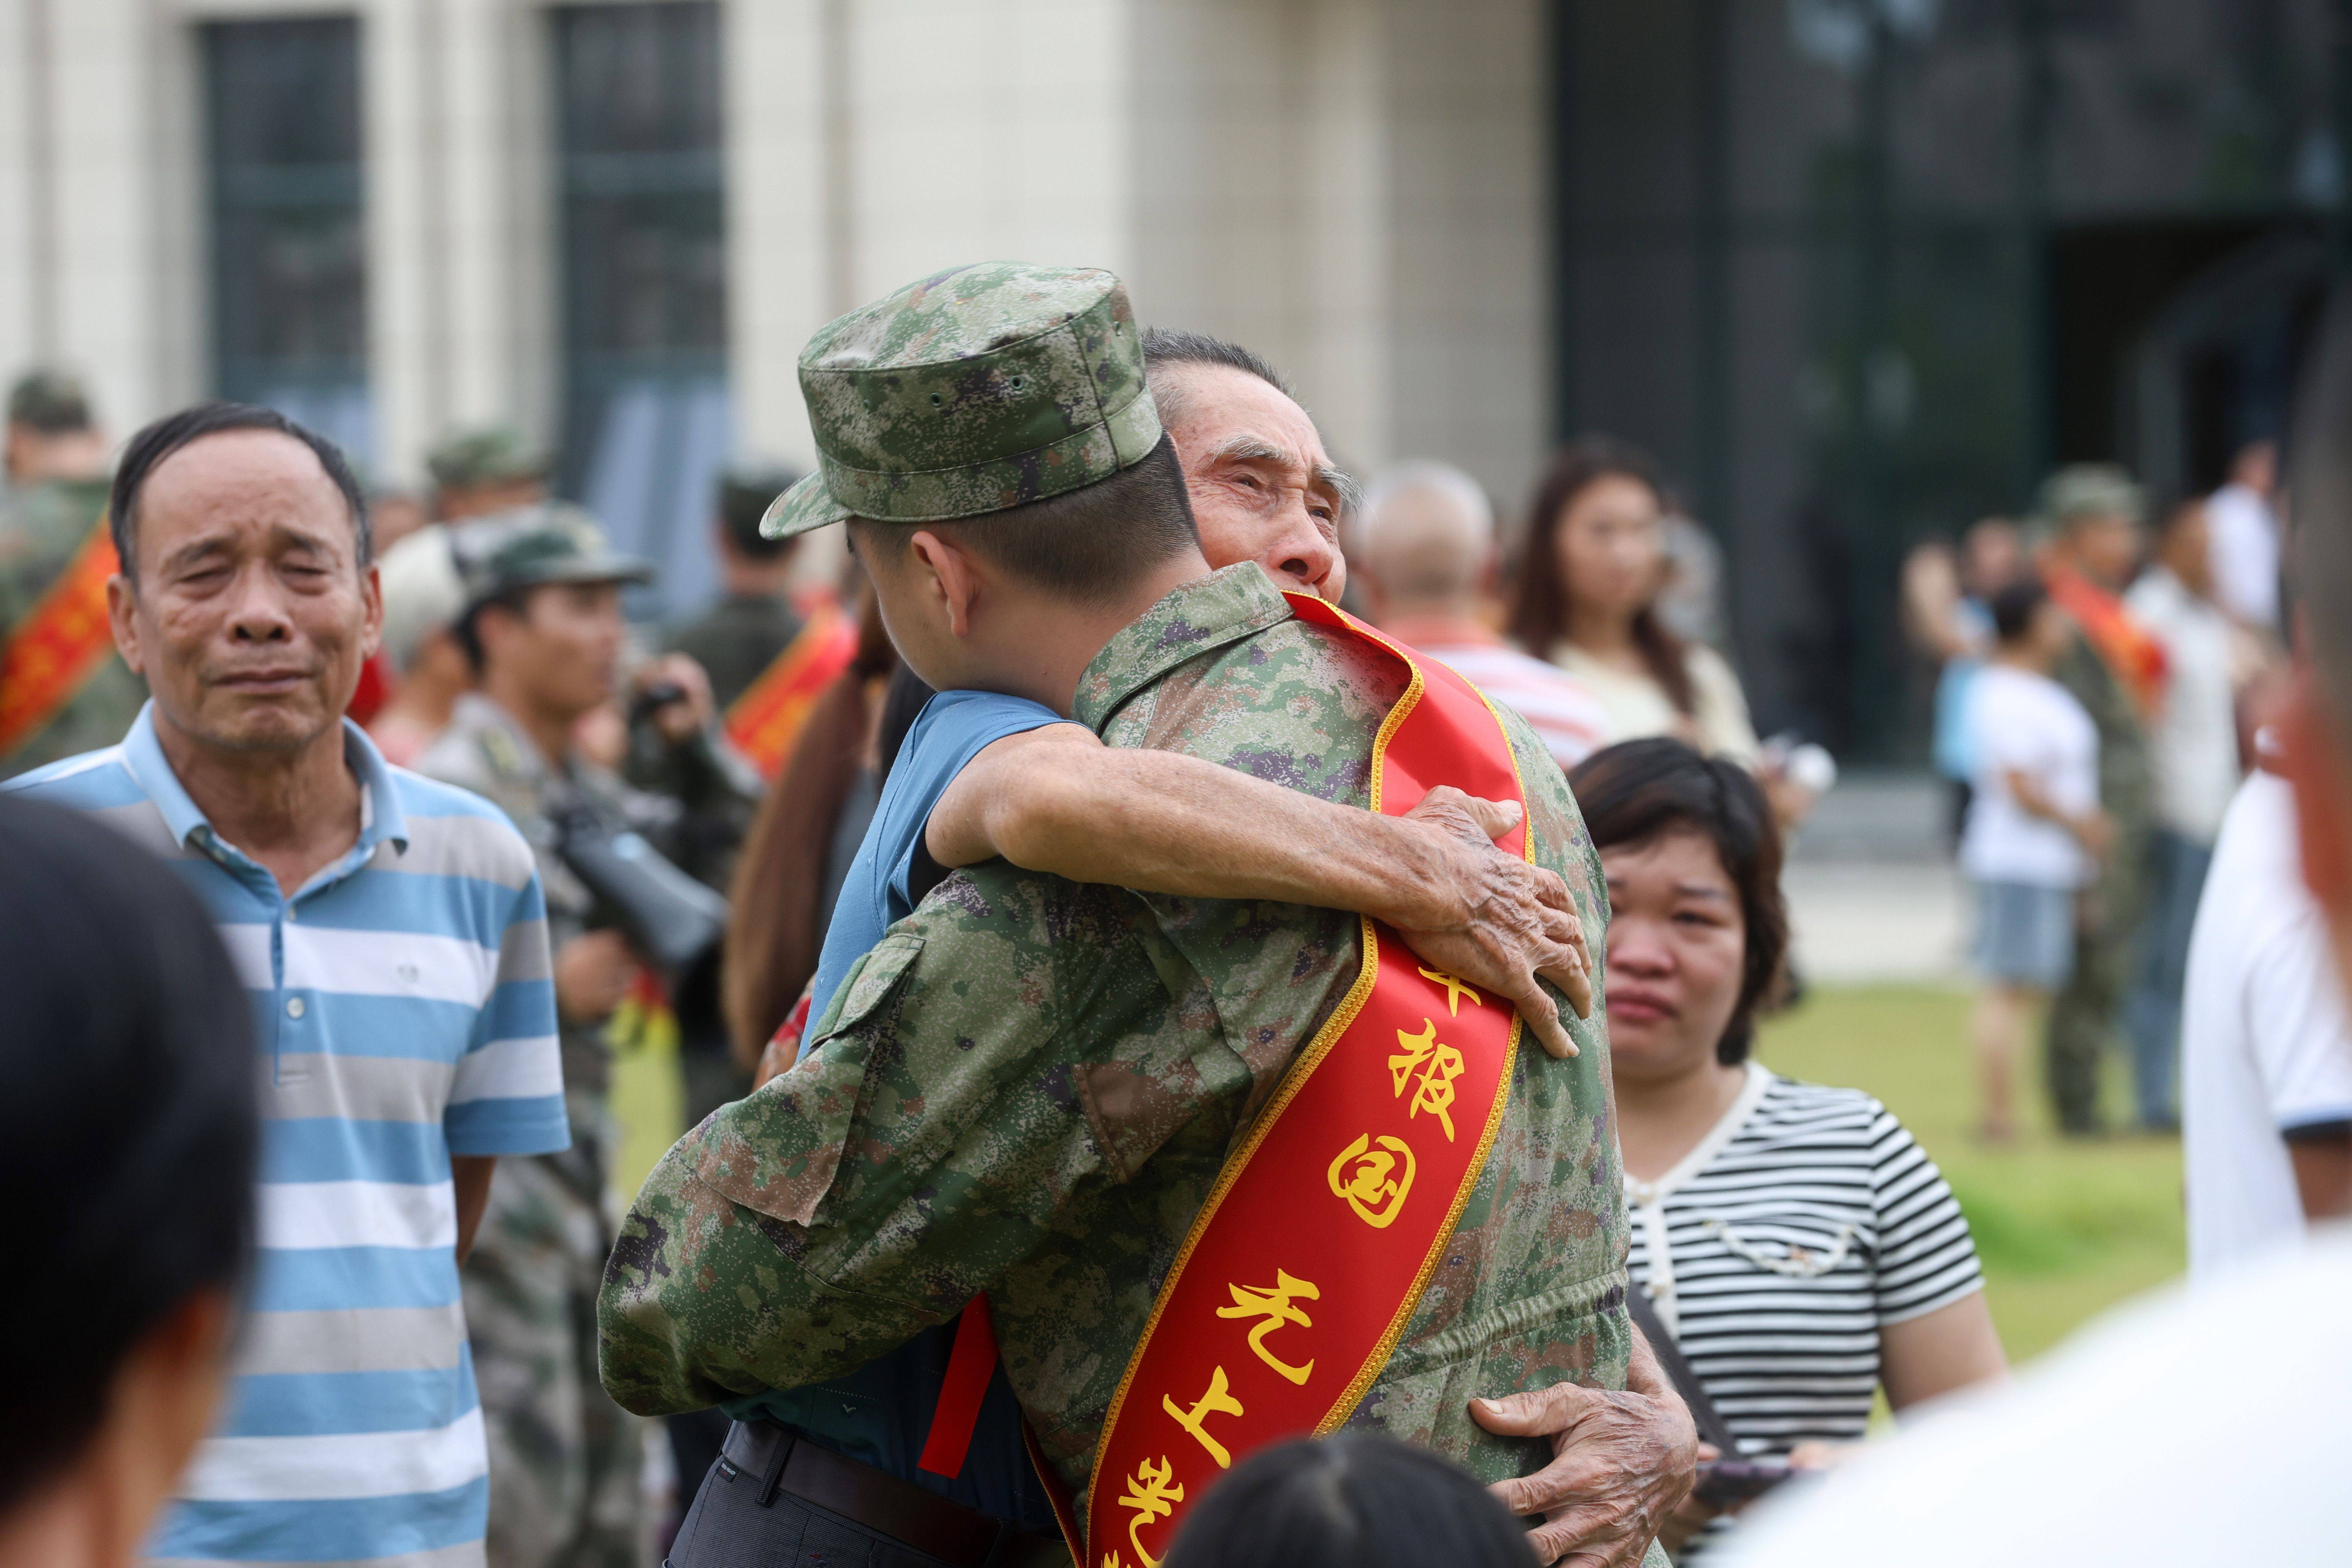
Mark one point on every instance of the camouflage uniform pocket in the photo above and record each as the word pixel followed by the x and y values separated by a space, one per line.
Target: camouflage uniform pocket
pixel 780 1155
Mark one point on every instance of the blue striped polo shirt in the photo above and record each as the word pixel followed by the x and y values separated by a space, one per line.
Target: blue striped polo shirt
pixel 406 1015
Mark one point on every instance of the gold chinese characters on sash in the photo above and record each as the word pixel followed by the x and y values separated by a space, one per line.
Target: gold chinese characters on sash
pixel 1323 1229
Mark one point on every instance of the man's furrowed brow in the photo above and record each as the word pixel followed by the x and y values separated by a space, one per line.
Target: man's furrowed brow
pixel 1341 484
pixel 196 552
pixel 1256 449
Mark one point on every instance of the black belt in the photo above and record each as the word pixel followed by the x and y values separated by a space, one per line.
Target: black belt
pixel 879 1501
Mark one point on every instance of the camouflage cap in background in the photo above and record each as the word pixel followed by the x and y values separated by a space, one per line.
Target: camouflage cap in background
pixel 2089 490
pixel 496 456
pixel 972 391
pixel 48 401
pixel 547 542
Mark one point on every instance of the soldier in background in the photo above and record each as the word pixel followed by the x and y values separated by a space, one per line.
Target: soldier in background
pixel 544 630
pixel 63 688
pixel 738 637
pixel 767 666
pixel 2116 669
pixel 481 472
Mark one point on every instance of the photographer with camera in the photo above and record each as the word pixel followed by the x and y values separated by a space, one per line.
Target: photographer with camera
pixel 543 629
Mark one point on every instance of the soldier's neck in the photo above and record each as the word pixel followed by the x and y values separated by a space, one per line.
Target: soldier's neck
pixel 1045 646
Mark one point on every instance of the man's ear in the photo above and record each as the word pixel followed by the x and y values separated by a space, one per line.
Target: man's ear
pixel 121 598
pixel 372 598
pixel 947 577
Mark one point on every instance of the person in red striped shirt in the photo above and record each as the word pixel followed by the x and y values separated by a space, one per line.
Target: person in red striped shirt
pixel 1425 551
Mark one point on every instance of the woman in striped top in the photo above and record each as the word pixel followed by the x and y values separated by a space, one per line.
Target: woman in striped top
pixel 1801 1248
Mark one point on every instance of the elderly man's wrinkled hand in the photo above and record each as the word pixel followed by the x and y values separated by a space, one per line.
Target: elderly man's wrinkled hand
pixel 1490 919
pixel 1622 1463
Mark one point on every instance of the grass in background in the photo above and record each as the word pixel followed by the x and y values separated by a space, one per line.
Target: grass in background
pixel 2065 1228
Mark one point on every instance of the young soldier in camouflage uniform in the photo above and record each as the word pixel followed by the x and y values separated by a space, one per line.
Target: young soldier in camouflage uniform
pixel 49 512
pixel 1030 1086
pixel 565 1484
pixel 2095 514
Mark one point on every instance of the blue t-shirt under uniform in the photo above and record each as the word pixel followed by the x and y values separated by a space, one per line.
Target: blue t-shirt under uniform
pixel 881 1414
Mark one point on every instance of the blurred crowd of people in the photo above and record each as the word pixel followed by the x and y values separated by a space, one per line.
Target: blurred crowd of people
pixel 2104 717
pixel 2094 716
pixel 459 828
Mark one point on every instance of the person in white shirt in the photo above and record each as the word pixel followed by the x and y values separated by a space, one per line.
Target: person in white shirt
pixel 2266 1048
pixel 2213 1425
pixel 2246 537
pixel 2193 743
pixel 1423 548
pixel 2034 834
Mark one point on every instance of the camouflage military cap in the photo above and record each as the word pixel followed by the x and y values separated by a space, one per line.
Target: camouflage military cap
pixel 2090 489
pixel 495 456
pixel 550 542
pixel 49 400
pixel 972 391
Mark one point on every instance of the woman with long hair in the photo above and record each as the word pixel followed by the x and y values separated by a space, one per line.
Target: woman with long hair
pixel 1587 595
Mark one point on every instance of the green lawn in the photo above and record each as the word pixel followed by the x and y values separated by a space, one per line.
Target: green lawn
pixel 2065 1228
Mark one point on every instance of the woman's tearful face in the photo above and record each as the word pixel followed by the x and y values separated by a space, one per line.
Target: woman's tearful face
pixel 1677 944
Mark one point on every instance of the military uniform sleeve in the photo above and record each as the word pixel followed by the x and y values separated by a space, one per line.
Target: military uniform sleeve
pixel 940 1125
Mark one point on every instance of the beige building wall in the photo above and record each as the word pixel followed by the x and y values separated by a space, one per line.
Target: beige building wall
pixel 1353 187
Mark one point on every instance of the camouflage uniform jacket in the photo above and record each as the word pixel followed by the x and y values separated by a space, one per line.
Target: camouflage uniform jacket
pixel 1029 1086
pixel 42 529
pixel 2126 777
pixel 485 750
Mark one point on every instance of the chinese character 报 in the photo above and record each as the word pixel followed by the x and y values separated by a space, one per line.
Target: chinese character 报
pixel 1431 1065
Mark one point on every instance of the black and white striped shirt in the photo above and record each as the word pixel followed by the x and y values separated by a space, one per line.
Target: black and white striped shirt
pixel 1806 1221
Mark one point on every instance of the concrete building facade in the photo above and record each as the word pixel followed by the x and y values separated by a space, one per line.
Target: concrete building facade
pixel 1353 187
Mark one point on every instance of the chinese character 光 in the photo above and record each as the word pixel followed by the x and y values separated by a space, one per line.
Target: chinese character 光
pixel 1454 992
pixel 1373 1181
pixel 1432 1066
pixel 1274 1308
pixel 1218 1401
pixel 1150 1497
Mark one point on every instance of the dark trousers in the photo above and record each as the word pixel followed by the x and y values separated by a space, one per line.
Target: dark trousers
pixel 728 1527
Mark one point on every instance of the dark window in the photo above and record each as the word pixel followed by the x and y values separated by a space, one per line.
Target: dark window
pixel 1861 271
pixel 644 320
pixel 289 242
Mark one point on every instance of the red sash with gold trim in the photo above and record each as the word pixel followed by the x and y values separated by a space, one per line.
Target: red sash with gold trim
pixel 765 719
pixel 54 651
pixel 1325 1224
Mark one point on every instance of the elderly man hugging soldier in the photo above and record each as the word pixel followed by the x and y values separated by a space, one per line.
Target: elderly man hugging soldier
pixel 1078 1100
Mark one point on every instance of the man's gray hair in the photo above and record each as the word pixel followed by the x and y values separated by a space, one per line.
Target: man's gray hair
pixel 1426 532
pixel 1166 348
